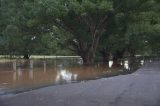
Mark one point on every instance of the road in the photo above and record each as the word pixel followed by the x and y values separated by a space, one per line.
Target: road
pixel 141 88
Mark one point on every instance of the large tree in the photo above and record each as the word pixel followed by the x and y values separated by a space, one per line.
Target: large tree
pixel 130 26
pixel 86 20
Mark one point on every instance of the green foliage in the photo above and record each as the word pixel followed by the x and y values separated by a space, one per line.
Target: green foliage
pixel 57 26
pixel 21 31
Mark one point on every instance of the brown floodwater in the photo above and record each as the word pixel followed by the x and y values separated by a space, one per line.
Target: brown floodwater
pixel 23 75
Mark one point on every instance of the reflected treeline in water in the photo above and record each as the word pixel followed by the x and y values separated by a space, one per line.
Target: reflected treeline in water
pixel 22 75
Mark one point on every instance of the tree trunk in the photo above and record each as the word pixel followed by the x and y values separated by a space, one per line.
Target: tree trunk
pixel 115 58
pixel 26 56
pixel 117 55
pixel 132 53
pixel 87 51
pixel 105 56
pixel 87 60
pixel 88 57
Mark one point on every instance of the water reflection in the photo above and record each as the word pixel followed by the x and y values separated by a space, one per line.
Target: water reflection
pixel 142 62
pixel 65 76
pixel 121 63
pixel 19 72
pixel 23 75
pixel 14 66
pixel 126 65
pixel 110 63
pixel 14 76
pixel 44 66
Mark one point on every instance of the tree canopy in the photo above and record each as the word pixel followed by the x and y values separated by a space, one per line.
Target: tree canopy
pixel 88 28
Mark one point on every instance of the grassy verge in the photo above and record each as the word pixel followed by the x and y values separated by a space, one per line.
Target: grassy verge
pixel 37 57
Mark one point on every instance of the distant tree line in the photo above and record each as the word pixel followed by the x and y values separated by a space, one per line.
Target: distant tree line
pixel 88 28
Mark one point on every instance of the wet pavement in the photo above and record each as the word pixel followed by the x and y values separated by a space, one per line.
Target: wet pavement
pixel 138 89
